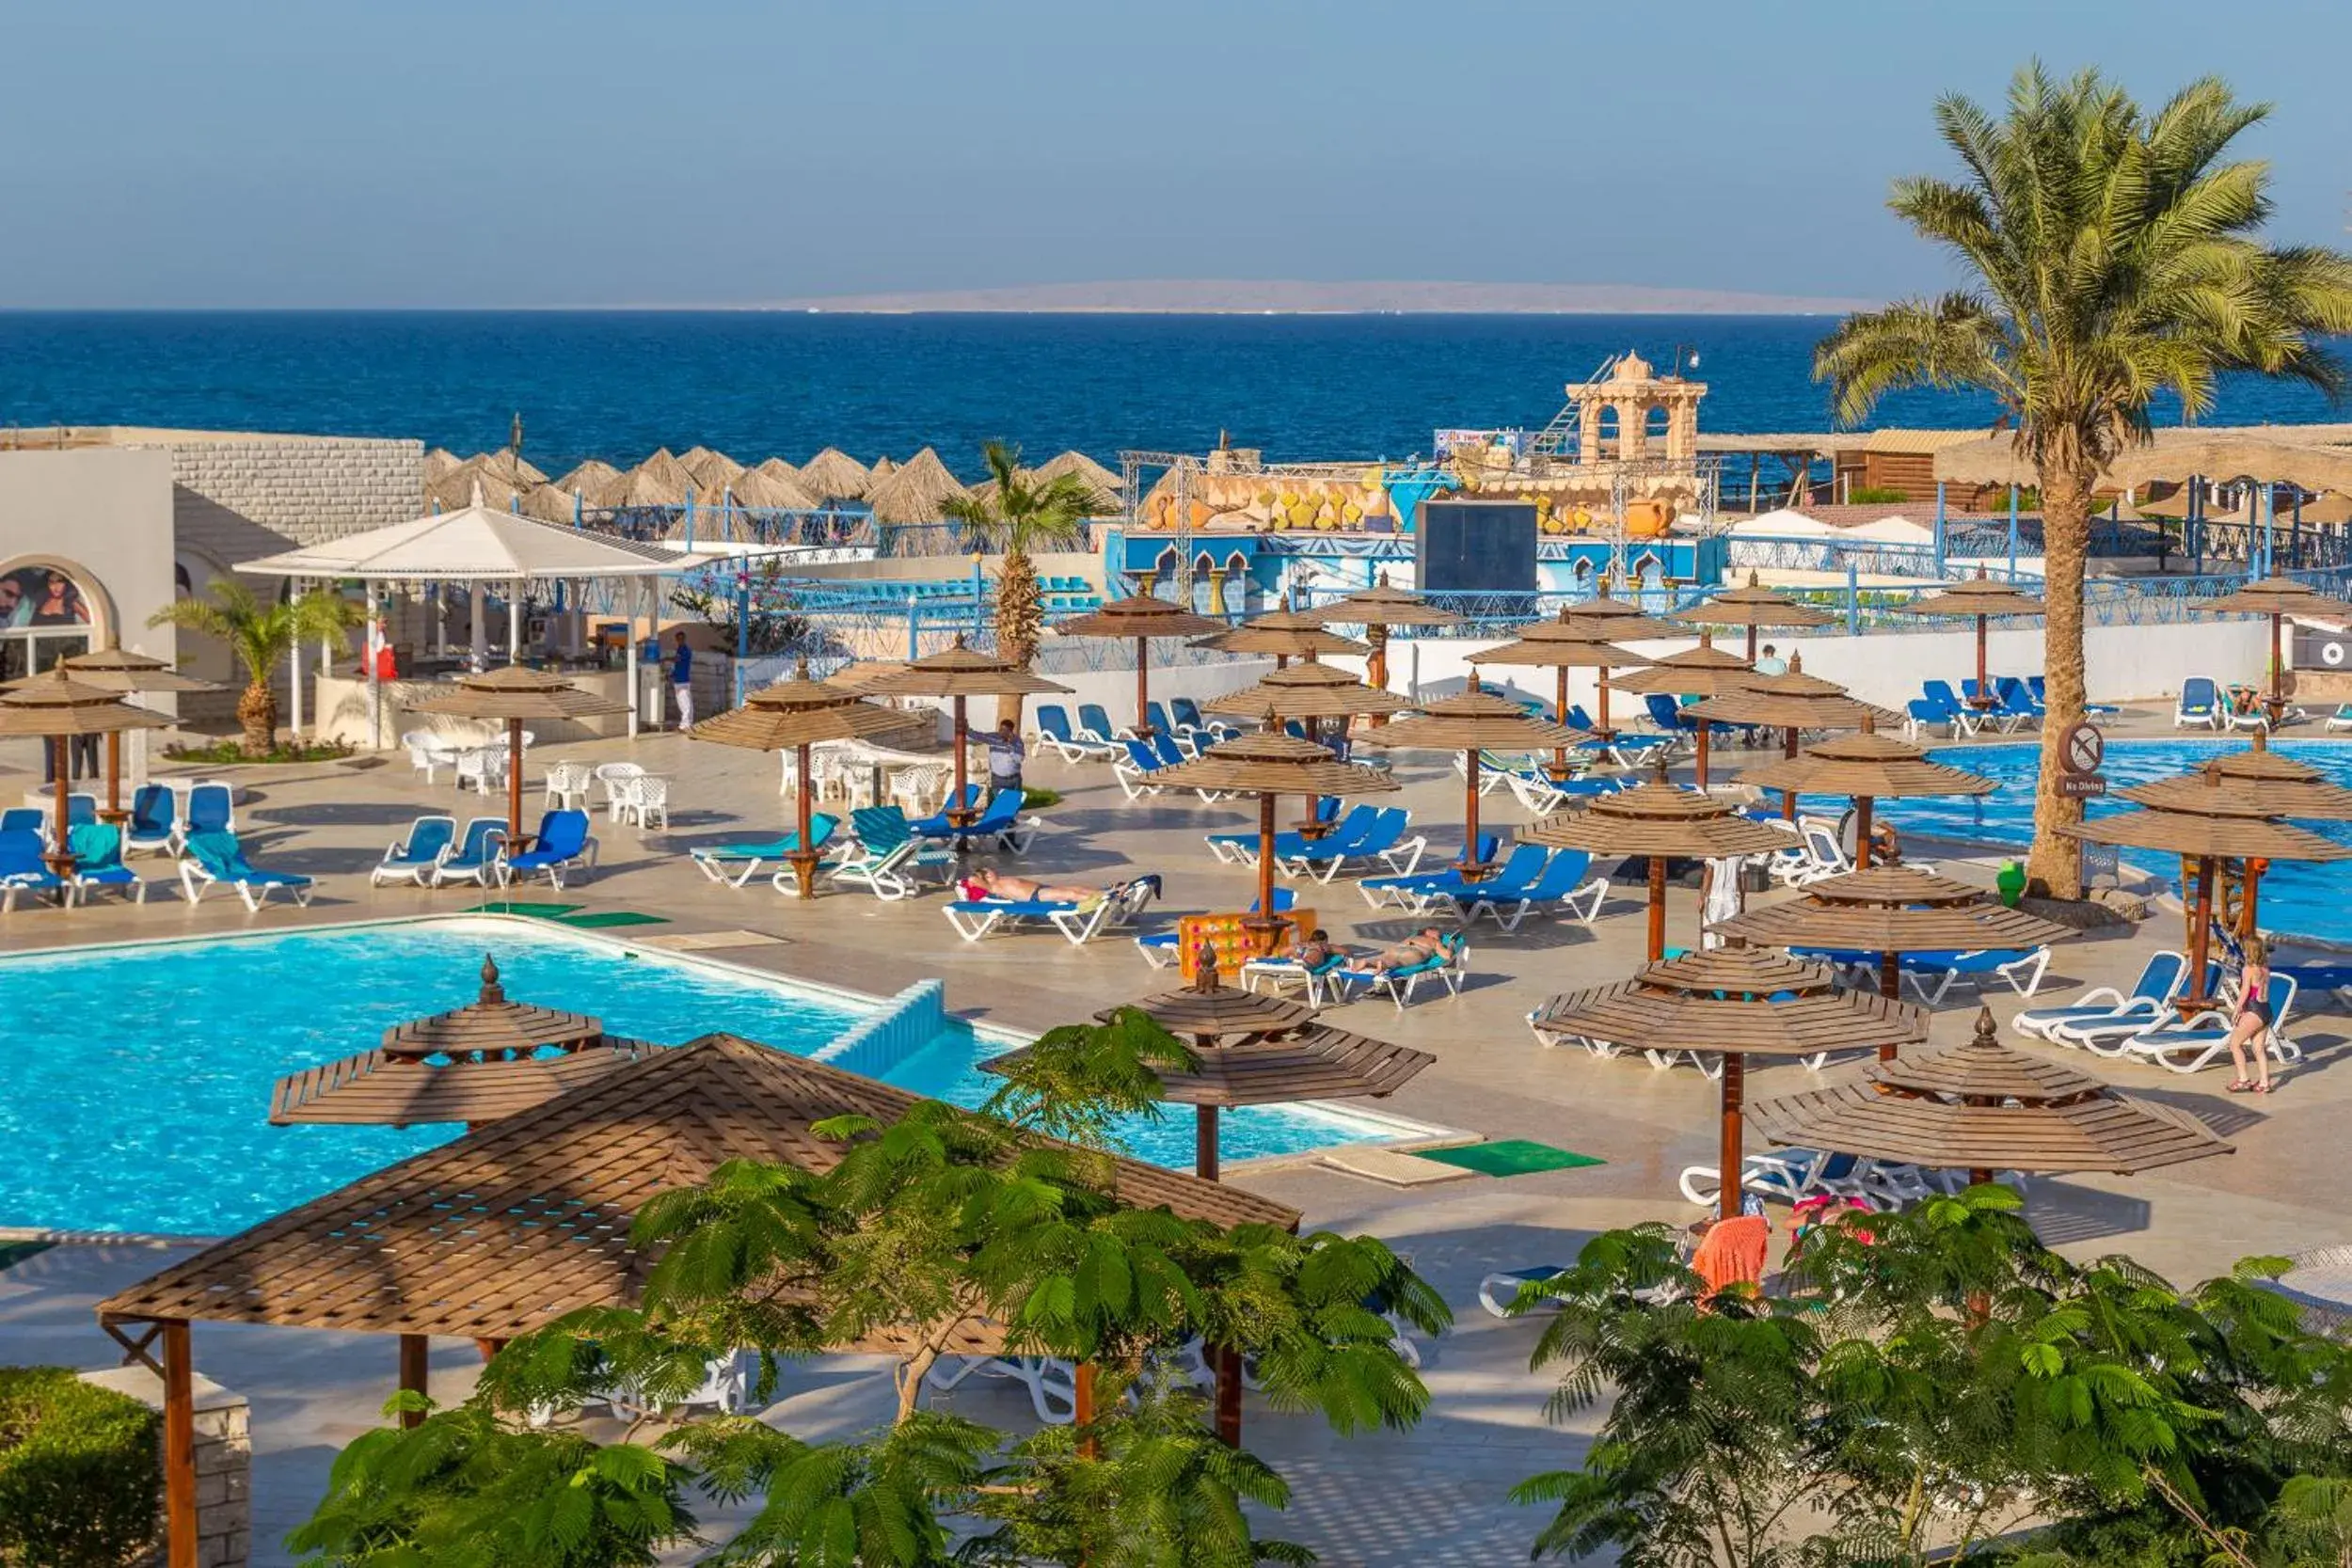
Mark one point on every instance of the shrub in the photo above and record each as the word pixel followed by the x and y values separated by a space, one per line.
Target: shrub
pixel 80 1471
pixel 1876 495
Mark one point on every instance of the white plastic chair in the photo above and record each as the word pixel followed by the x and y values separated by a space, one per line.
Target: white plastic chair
pixel 646 799
pixel 567 786
pixel 614 777
pixel 481 766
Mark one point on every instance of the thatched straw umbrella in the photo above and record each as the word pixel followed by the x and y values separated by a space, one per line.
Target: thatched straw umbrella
pixel 517 694
pixel 794 714
pixel 1754 606
pixel 1267 764
pixel 776 468
pixel 549 504
pixel 590 480
pixel 56 708
pixel 479 1063
pixel 1791 702
pixel 1102 481
pixel 958 673
pixel 1742 1002
pixel 915 492
pixel 713 471
pixel 1702 671
pixel 757 487
pixel 1984 598
pixel 114 669
pixel 437 462
pixel 2279 597
pixel 645 487
pixel 1378 608
pixel 1142 617
pixel 1314 693
pixel 1983 1107
pixel 1866 767
pixel 1284 633
pixel 833 476
pixel 1890 910
pixel 884 467
pixel 1559 646
pixel 2201 817
pixel 1472 720
pixel 470 486
pixel 1661 822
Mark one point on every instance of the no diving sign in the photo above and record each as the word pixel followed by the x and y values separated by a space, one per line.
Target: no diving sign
pixel 2081 749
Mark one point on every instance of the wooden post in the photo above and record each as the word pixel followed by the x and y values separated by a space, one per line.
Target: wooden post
pixel 61 856
pixel 1656 908
pixel 2278 675
pixel 1788 797
pixel 1600 702
pixel 2200 935
pixel 513 780
pixel 1143 688
pixel 2250 876
pixel 1204 1142
pixel 1081 1410
pixel 803 856
pixel 1229 1396
pixel 1376 662
pixel 413 1349
pixel 114 812
pixel 1472 868
pixel 957 815
pixel 1731 1153
pixel 1862 832
pixel 179 1446
pixel 1751 646
pixel 1267 926
pixel 1699 762
pixel 1984 681
pixel 1560 716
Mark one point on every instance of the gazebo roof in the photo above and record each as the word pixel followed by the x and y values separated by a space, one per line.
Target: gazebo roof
pixel 2204 816
pixel 1656 818
pixel 1795 700
pixel 1702 670
pixel 1282 631
pixel 1473 720
pixel 1209 1012
pixel 2288 788
pixel 515 691
pixel 1569 644
pixel 1270 762
pixel 834 475
pixel 118 668
pixel 1746 1000
pixel 490 1025
pixel 1893 909
pixel 1750 604
pixel 1983 1106
pixel 2279 597
pixel 1866 764
pixel 1138 615
pixel 520 1221
pixel 916 491
pixel 1382 606
pixel 1977 595
pixel 53 703
pixel 1618 618
pixel 476 542
pixel 1307 689
pixel 803 712
pixel 960 672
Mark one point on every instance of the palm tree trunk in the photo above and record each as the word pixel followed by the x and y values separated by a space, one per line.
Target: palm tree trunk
pixel 2057 860
pixel 257 716
pixel 1019 619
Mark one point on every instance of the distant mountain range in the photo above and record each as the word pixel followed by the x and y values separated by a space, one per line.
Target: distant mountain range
pixel 1210 296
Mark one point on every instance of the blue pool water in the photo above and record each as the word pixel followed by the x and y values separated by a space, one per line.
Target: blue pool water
pixel 138 1078
pixel 2300 900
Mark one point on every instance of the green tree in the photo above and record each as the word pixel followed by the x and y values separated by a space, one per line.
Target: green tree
pixel 261 635
pixel 2112 256
pixel 1019 516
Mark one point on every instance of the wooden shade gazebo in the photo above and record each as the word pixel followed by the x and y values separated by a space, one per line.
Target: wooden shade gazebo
pixel 2202 819
pixel 548 1197
pixel 517 694
pixel 1472 720
pixel 1561 645
pixel 1865 767
pixel 795 715
pixel 1378 608
pixel 117 669
pixel 2290 789
pixel 54 707
pixel 1141 617
pixel 1287 634
pixel 1270 764
pixel 2278 598
pixel 959 674
pixel 1890 910
pixel 1982 597
pixel 1792 703
pixel 1983 1107
pixel 1755 607
pixel 1704 671
pixel 487 1060
pixel 1742 1002
pixel 1661 822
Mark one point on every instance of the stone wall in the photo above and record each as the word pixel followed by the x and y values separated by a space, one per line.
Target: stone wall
pixel 224 1462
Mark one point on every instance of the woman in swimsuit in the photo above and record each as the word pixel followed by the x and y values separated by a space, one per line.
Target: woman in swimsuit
pixel 2249 1027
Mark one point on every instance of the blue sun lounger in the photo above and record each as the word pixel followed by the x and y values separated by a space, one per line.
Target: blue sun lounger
pixel 1079 921
pixel 562 844
pixel 417 855
pixel 2148 1002
pixel 1563 886
pixel 217 857
pixel 22 869
pixel 1053 730
pixel 478 857
pixel 155 823
pixel 1421 889
pixel 98 864
pixel 717 862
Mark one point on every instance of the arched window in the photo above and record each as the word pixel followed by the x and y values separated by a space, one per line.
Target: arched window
pixel 46 614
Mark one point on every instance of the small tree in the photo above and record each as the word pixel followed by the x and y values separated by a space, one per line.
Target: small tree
pixel 261 635
pixel 1022 516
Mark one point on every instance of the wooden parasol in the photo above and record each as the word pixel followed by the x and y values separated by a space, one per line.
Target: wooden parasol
pixel 1563 644
pixel 1984 598
pixel 1285 634
pixel 1740 1002
pixel 1755 607
pixel 116 669
pixel 1982 1107
pixel 1314 693
pixel 1270 764
pixel 795 715
pixel 1704 671
pixel 1791 702
pixel 1471 721
pixel 516 694
pixel 2278 598
pixel 56 708
pixel 1661 822
pixel 1866 767
pixel 958 673
pixel 1142 617
pixel 1377 609
pixel 2201 817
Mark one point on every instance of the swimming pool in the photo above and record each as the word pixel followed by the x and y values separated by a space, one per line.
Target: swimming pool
pixel 2298 898
pixel 138 1077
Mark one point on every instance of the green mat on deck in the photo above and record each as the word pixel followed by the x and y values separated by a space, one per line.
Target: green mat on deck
pixel 603 918
pixel 537 911
pixel 1509 1157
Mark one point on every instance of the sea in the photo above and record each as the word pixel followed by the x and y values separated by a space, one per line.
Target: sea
pixel 616 384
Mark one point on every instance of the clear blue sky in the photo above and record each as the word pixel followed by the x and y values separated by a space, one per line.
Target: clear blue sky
pixel 423 152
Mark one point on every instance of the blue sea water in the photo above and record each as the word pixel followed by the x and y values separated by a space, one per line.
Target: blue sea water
pixel 616 384
pixel 138 1078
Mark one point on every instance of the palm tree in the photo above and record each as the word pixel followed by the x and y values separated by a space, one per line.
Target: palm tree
pixel 2113 256
pixel 259 635
pixel 1022 516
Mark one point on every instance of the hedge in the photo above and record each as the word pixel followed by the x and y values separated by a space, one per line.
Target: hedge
pixel 80 1469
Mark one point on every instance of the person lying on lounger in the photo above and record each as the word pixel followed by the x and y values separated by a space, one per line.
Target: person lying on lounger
pixel 1311 951
pixel 1419 949
pixel 986 882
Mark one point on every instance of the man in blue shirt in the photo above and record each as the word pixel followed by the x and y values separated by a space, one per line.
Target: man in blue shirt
pixel 682 681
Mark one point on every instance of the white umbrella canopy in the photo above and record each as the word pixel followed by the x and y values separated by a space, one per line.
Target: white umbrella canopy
pixel 477 543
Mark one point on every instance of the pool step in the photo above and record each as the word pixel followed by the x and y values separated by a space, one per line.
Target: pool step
pixel 906 1022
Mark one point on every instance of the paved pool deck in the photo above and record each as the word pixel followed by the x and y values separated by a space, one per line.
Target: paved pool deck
pixel 1433 1496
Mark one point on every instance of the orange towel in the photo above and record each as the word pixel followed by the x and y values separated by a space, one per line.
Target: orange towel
pixel 1732 1252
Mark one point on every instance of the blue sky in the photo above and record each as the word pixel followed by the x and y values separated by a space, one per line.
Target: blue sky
pixel 421 152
